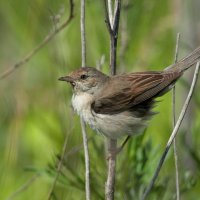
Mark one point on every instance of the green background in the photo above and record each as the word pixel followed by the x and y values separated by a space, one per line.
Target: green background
pixel 36 114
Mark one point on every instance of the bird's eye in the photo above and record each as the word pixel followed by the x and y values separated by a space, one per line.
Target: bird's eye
pixel 83 76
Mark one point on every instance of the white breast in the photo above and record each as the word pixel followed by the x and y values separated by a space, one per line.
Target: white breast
pixel 82 105
pixel 81 102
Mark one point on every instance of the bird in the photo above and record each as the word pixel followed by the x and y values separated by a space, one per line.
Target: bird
pixel 122 105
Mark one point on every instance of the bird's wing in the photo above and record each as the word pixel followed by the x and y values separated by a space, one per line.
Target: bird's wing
pixel 132 89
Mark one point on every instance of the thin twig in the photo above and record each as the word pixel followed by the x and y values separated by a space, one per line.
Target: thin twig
pixel 59 167
pixel 110 12
pixel 174 132
pixel 87 160
pixel 112 144
pixel 40 45
pixel 107 20
pixel 174 122
pixel 83 127
pixel 116 17
pixel 114 36
pixel 83 40
pixel 177 48
pixel 23 187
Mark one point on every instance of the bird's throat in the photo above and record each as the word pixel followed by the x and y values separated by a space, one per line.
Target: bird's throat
pixel 81 102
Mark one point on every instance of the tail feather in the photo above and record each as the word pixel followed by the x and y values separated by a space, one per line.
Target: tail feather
pixel 186 62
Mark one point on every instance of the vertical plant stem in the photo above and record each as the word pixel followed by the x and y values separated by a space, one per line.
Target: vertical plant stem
pixel 114 37
pixel 83 40
pixel 110 12
pixel 113 26
pixel 174 123
pixel 83 127
pixel 113 61
pixel 87 160
pixel 110 183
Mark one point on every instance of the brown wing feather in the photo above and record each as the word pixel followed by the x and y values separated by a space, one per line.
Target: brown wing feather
pixel 128 90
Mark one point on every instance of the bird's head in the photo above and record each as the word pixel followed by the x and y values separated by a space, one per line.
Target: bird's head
pixel 85 79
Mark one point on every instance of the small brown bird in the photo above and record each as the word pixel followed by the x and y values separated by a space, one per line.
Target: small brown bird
pixel 122 104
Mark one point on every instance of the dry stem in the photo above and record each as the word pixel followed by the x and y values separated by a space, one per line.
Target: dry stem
pixel 83 40
pixel 83 128
pixel 110 183
pixel 40 45
pixel 112 22
pixel 174 123
pixel 87 160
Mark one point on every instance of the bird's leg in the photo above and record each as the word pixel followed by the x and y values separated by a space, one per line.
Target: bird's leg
pixel 119 149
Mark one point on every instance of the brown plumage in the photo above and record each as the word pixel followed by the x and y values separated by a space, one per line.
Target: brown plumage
pixel 129 90
pixel 122 104
pixel 140 88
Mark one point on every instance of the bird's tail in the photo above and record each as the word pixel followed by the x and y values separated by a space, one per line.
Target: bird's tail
pixel 186 62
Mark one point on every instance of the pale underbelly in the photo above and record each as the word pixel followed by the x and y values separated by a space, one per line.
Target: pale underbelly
pixel 114 126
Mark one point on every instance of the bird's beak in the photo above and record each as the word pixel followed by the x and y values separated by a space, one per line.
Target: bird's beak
pixel 67 79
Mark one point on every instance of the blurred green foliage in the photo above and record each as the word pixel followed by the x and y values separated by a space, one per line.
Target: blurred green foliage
pixel 36 114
